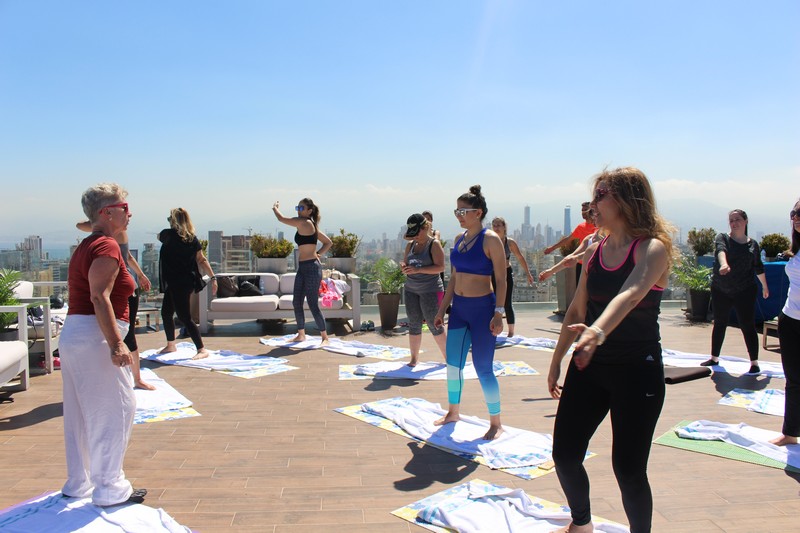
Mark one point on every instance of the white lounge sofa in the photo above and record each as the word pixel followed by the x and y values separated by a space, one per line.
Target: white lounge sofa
pixel 276 302
pixel 14 354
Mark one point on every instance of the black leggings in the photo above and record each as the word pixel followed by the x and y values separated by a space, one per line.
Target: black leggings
pixel 306 287
pixel 744 302
pixel 789 335
pixel 509 291
pixel 133 308
pixel 634 393
pixel 176 301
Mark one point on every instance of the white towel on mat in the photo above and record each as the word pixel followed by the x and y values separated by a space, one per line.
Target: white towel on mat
pixel 487 508
pixel 744 436
pixel 515 447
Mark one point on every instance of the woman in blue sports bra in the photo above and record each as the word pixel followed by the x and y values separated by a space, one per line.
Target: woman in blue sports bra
pixel 309 268
pixel 616 365
pixel 474 318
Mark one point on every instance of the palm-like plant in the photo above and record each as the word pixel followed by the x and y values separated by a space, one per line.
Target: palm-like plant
pixel 8 281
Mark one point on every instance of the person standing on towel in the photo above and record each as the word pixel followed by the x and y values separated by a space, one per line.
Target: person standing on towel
pixel 510 246
pixel 616 365
pixel 309 271
pixel 141 281
pixel 422 263
pixel 789 337
pixel 737 264
pixel 180 260
pixel 99 402
pixel 474 318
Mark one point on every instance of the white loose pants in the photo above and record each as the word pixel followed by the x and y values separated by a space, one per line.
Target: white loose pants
pixel 99 406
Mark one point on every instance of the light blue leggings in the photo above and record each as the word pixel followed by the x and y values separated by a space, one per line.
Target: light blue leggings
pixel 469 325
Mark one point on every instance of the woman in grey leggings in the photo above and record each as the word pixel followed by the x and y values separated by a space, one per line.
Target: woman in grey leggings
pixel 309 269
pixel 422 264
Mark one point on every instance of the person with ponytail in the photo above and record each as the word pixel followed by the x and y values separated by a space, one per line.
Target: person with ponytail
pixel 475 318
pixel 309 269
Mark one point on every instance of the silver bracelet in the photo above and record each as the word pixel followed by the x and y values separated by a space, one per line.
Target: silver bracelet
pixel 601 335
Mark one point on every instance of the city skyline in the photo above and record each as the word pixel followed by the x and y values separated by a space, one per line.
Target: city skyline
pixel 225 108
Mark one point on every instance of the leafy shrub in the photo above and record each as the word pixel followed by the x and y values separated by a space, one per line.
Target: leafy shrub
pixel 344 244
pixel 691 275
pixel 774 243
pixel 702 240
pixel 270 246
pixel 8 280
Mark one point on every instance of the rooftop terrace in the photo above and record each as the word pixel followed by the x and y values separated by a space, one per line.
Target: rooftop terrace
pixel 270 455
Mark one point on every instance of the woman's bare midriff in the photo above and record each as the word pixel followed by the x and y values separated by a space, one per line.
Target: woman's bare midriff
pixel 307 252
pixel 473 285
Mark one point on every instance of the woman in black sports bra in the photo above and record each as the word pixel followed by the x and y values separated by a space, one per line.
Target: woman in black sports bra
pixel 309 268
pixel 616 366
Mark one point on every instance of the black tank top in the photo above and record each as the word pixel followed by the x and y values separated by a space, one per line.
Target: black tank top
pixel 306 239
pixel 639 330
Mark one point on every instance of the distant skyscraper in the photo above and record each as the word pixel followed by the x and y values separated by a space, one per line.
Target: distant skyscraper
pixel 567 221
pixel 527 218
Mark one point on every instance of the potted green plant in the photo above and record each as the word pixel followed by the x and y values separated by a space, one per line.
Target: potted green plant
pixel 701 240
pixel 342 255
pixel 390 278
pixel 773 244
pixel 697 280
pixel 271 253
pixel 8 280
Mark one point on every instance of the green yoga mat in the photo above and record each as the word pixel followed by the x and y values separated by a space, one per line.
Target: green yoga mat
pixel 719 449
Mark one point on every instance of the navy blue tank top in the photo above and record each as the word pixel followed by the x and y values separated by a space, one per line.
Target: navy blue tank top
pixel 472 260
pixel 639 330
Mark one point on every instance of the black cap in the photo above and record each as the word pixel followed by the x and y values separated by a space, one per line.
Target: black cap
pixel 414 224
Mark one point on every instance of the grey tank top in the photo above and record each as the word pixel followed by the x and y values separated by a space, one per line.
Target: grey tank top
pixel 421 256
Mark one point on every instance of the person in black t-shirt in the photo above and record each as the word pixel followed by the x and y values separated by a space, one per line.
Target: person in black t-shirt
pixel 737 264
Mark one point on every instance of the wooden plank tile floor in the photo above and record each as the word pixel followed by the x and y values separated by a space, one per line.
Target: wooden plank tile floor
pixel 270 455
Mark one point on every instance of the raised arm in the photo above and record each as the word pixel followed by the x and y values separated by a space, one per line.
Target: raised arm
pixel 294 221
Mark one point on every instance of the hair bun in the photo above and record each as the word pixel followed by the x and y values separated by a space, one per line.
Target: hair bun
pixel 476 190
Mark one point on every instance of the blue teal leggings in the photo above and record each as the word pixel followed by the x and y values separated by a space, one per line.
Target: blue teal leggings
pixel 469 325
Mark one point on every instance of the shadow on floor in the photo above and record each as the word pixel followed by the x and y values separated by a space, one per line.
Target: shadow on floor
pixel 429 465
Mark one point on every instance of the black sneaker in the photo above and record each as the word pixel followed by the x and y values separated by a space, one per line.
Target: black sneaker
pixel 710 362
pixel 754 369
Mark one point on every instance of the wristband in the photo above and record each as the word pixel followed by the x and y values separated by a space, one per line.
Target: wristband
pixel 601 335
pixel 501 310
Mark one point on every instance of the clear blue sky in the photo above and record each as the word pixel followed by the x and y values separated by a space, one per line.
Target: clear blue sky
pixel 380 109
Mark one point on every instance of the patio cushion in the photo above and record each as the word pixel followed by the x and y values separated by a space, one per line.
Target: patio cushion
pixel 286 303
pixel 265 303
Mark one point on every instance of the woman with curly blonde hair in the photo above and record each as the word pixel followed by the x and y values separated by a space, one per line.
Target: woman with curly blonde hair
pixel 616 366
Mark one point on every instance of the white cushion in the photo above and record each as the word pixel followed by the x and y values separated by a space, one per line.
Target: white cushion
pixel 287 283
pixel 270 283
pixel 250 304
pixel 23 289
pixel 286 303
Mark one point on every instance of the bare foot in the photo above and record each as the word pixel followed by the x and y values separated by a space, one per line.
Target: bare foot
pixel 572 528
pixel 413 362
pixel 143 385
pixel 325 342
pixel 783 440
pixel 447 419
pixel 202 353
pixel 493 433
pixel 299 338
pixel 169 348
